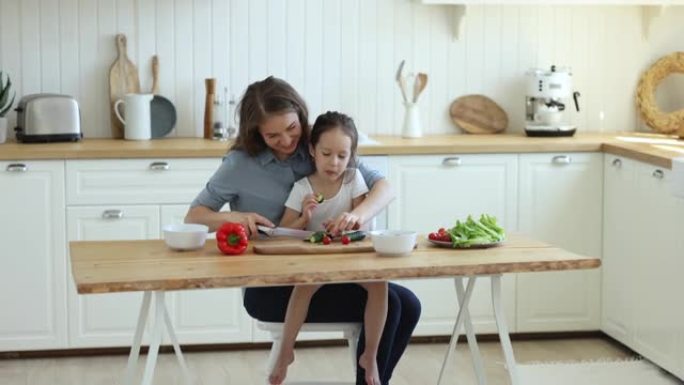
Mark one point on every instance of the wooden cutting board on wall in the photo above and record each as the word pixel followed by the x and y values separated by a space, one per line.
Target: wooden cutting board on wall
pixel 478 114
pixel 296 246
pixel 123 79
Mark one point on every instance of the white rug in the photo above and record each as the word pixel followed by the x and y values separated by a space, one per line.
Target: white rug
pixel 632 372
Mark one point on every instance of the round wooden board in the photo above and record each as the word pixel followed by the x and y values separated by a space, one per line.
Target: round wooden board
pixel 478 114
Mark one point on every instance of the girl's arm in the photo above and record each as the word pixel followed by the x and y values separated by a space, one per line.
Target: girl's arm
pixel 293 219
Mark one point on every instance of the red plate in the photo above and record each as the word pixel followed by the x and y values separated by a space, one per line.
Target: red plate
pixel 447 244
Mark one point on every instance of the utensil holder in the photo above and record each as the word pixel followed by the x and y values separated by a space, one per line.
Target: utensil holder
pixel 412 127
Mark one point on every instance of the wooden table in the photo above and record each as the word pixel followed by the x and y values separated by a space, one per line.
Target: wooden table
pixel 149 266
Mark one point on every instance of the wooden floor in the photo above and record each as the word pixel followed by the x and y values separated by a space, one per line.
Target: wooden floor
pixel 420 364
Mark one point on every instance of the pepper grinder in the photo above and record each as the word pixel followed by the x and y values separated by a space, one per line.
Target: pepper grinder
pixel 210 85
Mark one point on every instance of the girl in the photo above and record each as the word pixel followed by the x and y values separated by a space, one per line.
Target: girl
pixel 333 148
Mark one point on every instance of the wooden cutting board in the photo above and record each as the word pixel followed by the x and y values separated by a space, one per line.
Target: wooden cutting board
pixel 478 114
pixel 296 246
pixel 123 79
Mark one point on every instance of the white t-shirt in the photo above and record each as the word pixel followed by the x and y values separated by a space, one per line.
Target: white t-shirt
pixel 330 208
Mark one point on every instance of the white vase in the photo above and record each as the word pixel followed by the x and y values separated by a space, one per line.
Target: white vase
pixel 3 130
pixel 412 127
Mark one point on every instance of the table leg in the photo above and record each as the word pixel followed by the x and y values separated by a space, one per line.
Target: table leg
pixel 462 311
pixel 137 339
pixel 503 329
pixel 176 347
pixel 470 333
pixel 159 307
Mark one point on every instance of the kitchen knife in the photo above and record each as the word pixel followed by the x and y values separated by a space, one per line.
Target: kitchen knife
pixel 284 232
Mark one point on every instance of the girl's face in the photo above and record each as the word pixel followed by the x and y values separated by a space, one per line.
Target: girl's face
pixel 281 133
pixel 331 154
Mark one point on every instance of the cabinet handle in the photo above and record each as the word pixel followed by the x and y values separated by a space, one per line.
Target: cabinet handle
pixel 451 161
pixel 112 214
pixel 159 166
pixel 617 162
pixel 561 159
pixel 17 167
pixel 658 174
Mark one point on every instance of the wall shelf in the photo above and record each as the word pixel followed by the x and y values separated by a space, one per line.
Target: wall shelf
pixel 650 10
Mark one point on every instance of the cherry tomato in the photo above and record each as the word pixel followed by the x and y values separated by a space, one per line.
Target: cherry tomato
pixel 433 236
pixel 345 240
pixel 441 230
pixel 326 240
pixel 445 237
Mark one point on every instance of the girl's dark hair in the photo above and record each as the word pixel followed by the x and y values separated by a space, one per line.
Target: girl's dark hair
pixel 332 120
pixel 261 99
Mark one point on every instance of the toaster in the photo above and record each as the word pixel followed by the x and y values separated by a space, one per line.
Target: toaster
pixel 48 118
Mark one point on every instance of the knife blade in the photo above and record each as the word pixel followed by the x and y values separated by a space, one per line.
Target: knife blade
pixel 284 232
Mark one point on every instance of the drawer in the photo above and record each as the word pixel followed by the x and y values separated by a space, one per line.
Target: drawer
pixel 123 181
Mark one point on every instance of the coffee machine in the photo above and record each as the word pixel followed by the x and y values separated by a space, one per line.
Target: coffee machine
pixel 546 95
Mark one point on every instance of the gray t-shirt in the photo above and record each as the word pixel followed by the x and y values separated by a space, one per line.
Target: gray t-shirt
pixel 261 183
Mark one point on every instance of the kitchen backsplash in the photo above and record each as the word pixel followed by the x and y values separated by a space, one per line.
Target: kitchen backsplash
pixel 341 54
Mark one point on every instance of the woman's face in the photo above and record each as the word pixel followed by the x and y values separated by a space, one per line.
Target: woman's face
pixel 331 154
pixel 281 133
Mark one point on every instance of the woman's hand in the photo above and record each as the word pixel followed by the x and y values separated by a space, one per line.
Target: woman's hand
pixel 213 219
pixel 249 220
pixel 345 222
pixel 309 203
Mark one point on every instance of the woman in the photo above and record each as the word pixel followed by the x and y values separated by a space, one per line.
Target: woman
pixel 255 178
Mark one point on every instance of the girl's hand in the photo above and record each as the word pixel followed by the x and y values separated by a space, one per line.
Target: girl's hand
pixel 345 222
pixel 249 220
pixel 309 203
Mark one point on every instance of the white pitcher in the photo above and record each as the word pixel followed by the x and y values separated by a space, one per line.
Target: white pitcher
pixel 137 123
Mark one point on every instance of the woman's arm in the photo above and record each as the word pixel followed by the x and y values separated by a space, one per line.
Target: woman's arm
pixel 378 198
pixel 214 219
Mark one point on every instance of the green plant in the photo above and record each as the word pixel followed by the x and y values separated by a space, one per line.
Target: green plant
pixel 4 95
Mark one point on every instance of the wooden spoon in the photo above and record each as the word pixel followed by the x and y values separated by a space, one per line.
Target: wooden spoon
pixel 400 80
pixel 419 85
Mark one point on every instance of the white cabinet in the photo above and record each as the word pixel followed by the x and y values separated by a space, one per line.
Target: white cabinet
pixel 620 236
pixel 435 191
pixel 560 202
pixel 133 199
pixel 643 262
pixel 206 316
pixel 33 260
pixel 97 320
pixel 658 315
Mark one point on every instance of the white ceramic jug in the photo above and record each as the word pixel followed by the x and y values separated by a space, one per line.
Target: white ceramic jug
pixel 137 122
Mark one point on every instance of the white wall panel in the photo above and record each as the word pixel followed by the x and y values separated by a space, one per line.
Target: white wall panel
pixel 340 55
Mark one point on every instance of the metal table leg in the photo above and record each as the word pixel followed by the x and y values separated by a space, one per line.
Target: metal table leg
pixel 503 329
pixel 161 321
pixel 470 333
pixel 462 312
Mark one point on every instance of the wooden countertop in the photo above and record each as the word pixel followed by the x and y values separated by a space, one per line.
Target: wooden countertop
pixel 115 266
pixel 652 148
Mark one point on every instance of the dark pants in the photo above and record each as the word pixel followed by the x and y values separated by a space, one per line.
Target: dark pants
pixel 346 302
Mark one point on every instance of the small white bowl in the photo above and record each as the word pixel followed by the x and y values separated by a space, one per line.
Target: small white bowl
pixel 185 236
pixel 393 243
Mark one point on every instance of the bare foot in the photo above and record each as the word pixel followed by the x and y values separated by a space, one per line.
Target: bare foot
pixel 370 366
pixel 279 371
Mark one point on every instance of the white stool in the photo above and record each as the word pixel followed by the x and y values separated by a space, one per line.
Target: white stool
pixel 350 330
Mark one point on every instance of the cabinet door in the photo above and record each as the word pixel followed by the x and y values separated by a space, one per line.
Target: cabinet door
pixel 32 265
pixel 620 240
pixel 658 315
pixel 435 191
pixel 206 316
pixel 98 320
pixel 561 198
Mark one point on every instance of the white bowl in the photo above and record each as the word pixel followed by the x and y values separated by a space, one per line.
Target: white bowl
pixel 185 236
pixel 393 243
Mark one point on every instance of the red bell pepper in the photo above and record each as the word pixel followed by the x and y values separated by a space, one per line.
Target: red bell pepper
pixel 231 238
